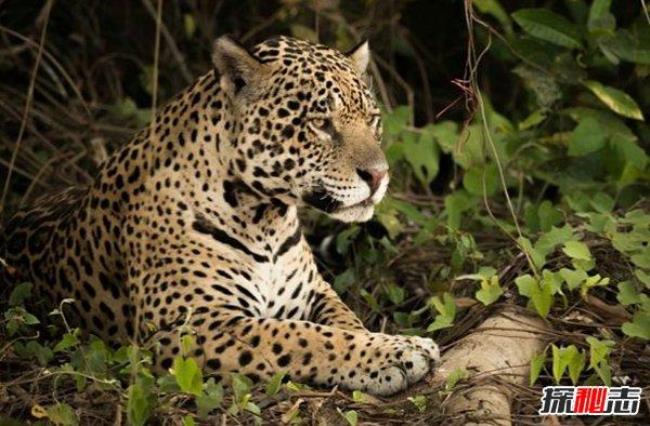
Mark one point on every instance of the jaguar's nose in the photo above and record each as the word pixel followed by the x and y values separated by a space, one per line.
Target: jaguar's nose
pixel 372 177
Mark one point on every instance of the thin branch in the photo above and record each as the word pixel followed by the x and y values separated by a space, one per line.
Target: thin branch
pixel 28 103
pixel 169 39
pixel 644 7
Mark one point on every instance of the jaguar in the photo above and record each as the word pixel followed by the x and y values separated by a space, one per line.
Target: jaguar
pixel 194 224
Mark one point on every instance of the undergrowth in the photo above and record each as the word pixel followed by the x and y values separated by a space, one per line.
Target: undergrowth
pixel 537 199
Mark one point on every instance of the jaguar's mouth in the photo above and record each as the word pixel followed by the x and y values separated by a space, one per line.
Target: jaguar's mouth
pixel 368 202
pixel 323 200
pixel 359 212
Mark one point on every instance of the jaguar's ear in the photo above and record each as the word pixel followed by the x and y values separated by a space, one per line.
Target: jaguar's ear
pixel 239 71
pixel 360 57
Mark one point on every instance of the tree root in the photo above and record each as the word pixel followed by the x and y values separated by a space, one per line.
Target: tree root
pixel 496 357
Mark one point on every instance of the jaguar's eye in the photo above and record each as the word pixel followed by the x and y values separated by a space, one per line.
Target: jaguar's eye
pixel 375 125
pixel 321 125
pixel 318 122
pixel 374 121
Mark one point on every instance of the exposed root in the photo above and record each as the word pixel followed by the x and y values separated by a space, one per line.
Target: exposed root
pixel 496 356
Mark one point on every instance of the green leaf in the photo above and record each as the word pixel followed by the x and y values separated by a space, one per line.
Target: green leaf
pixel 599 350
pixel 627 242
pixel 211 399
pixel 628 45
pixel 395 293
pixel 539 293
pixel 549 216
pixel 188 375
pixel 643 277
pixel 358 396
pixel 420 402
pixel 627 293
pixel 17 317
pixel 94 359
pixel 602 202
pixel 642 260
pixel 167 384
pixel 370 300
pixel 594 281
pixel 188 420
pixel 525 285
pixel 187 342
pixel 494 8
pixel 617 100
pixel 466 148
pixel 62 414
pixel 639 326
pixel 573 278
pixel 241 386
pixel 536 365
pixel 455 204
pixel 604 371
pixel 599 16
pixel 126 108
pixel 274 385
pixel 548 26
pixel 542 298
pixel 345 238
pixel 577 250
pixel 69 340
pixel 351 416
pixel 576 364
pixel 558 364
pixel 479 177
pixel 34 350
pixel 189 25
pixel 140 404
pixel 552 280
pixel 587 137
pixel 535 118
pixel 396 121
pixel 256 411
pixel 303 32
pixel 445 132
pixel 344 280
pixel 569 357
pixel 422 153
pixel 446 308
pixel 538 258
pixel 484 273
pixel 551 239
pixel 456 376
pixel 20 293
pixel 490 291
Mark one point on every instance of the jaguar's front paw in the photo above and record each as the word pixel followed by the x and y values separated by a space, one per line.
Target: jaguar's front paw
pixel 427 345
pixel 408 360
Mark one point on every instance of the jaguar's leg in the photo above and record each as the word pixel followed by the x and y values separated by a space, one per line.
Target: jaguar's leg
pixel 330 310
pixel 260 347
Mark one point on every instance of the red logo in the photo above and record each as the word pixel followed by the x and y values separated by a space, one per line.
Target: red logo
pixel 590 400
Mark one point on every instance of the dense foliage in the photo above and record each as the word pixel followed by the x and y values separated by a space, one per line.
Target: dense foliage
pixel 525 182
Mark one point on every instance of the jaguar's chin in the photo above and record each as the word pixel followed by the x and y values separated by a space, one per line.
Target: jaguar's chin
pixel 361 212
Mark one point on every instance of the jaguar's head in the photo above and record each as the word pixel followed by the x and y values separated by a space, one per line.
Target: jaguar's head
pixel 308 129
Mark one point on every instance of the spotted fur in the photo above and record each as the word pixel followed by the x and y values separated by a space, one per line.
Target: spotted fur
pixel 195 222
